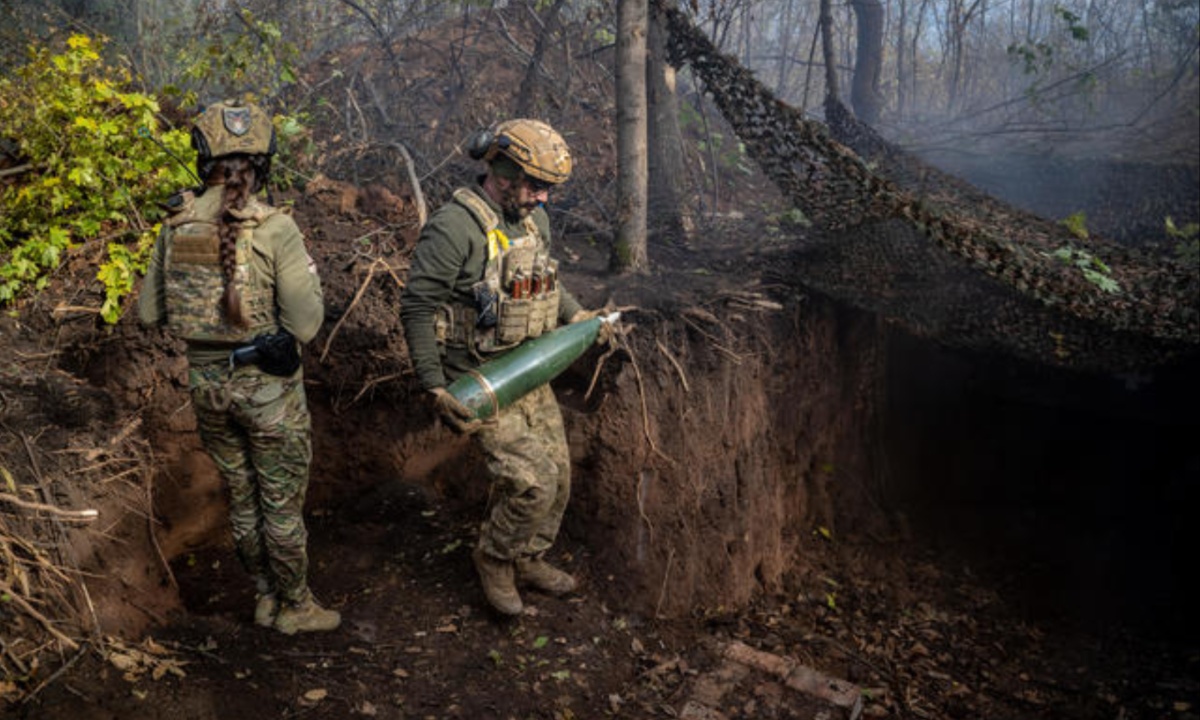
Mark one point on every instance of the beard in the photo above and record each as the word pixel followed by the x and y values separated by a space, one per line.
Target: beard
pixel 510 203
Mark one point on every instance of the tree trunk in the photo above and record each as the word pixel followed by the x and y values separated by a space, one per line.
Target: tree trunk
pixel 666 171
pixel 829 52
pixel 530 83
pixel 629 250
pixel 901 76
pixel 868 61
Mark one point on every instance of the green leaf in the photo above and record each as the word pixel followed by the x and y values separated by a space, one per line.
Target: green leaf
pixel 1076 224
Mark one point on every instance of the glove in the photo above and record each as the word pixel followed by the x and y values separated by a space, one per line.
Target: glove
pixel 454 413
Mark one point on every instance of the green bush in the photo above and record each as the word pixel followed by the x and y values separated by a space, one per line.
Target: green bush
pixel 95 176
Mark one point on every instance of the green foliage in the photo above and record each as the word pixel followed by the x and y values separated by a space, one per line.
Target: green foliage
pixel 1037 56
pixel 1076 223
pixel 729 155
pixel 1094 270
pixel 223 65
pixel 604 36
pixel 795 217
pixel 76 121
pixel 249 66
pixel 295 149
pixel 1078 32
pixel 1187 249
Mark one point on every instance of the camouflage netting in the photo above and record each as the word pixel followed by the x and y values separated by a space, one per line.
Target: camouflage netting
pixel 938 256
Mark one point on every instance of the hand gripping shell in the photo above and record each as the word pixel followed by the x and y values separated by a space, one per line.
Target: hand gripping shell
pixel 500 382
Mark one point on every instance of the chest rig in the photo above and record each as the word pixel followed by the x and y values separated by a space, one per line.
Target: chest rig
pixel 194 281
pixel 517 297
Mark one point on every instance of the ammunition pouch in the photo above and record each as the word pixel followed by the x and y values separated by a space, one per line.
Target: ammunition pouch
pixel 521 319
pixel 502 324
pixel 516 299
pixel 273 353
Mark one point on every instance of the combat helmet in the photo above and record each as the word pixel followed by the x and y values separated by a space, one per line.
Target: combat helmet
pixel 532 144
pixel 233 128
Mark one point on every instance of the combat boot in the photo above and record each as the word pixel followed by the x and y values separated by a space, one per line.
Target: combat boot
pixel 497 578
pixel 306 616
pixel 538 573
pixel 265 609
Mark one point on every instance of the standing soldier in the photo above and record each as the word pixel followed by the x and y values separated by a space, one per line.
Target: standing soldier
pixel 230 275
pixel 482 282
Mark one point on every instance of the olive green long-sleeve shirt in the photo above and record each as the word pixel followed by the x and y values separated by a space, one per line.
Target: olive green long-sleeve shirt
pixel 279 259
pixel 450 257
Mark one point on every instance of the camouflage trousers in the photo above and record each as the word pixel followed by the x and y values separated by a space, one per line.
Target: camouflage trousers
pixel 530 466
pixel 258 430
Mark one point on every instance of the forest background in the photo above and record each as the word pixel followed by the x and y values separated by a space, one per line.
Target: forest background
pixel 966 84
pixel 1026 99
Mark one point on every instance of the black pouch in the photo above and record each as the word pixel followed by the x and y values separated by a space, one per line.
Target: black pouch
pixel 486 306
pixel 275 354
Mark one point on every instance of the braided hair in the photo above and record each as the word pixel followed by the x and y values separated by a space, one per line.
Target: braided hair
pixel 241 176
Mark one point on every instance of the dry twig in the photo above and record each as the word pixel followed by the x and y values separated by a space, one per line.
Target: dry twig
pixel 74 515
pixel 357 296
pixel 32 612
pixel 645 410
pixel 675 363
pixel 372 383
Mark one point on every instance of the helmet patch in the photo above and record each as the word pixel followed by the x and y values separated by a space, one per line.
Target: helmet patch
pixel 236 119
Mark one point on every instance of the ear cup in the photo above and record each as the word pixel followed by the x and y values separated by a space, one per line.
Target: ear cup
pixel 479 144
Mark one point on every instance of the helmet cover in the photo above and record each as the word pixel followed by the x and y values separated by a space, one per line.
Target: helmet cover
pixel 230 127
pixel 533 145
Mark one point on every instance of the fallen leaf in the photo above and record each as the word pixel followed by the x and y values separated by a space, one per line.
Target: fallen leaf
pixel 316 695
pixel 122 661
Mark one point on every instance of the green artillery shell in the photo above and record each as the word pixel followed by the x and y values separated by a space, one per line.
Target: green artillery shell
pixel 500 382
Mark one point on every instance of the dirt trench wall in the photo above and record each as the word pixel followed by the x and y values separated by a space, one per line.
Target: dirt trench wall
pixel 699 472
pixel 699 460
